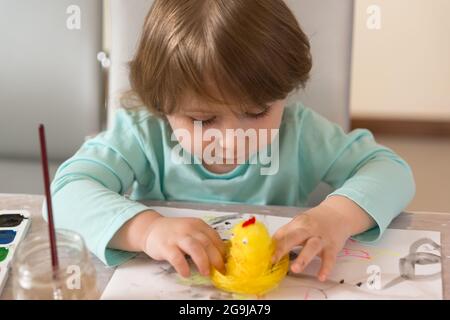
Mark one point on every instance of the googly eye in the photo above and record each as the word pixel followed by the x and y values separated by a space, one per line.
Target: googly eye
pixel 244 241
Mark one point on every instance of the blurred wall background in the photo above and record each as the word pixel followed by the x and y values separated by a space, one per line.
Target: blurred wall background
pixel 49 74
pixel 400 87
pixel 399 67
pixel 401 70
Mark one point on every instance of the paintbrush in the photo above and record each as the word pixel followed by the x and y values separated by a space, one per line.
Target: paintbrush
pixel 51 225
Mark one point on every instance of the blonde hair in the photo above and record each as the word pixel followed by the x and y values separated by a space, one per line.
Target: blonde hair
pixel 241 53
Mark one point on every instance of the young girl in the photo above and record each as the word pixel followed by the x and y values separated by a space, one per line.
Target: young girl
pixel 225 65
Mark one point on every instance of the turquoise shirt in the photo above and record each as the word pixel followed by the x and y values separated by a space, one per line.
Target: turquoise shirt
pixel 89 189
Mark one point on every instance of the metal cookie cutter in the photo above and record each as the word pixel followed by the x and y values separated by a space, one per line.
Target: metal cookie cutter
pixel 407 264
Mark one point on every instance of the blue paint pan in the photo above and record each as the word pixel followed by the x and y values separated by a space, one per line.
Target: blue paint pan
pixel 7 236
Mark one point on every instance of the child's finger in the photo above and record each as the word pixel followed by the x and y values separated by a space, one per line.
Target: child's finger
pixel 286 241
pixel 214 236
pixel 196 251
pixel 312 248
pixel 214 255
pixel 328 262
pixel 285 230
pixel 176 258
pixel 215 258
pixel 281 232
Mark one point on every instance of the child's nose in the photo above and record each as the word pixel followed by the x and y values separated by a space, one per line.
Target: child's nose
pixel 228 129
pixel 222 143
pixel 226 143
pixel 234 123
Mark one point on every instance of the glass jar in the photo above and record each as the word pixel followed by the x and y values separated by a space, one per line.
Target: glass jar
pixel 33 275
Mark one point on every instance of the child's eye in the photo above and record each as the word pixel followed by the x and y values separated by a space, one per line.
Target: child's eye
pixel 261 114
pixel 206 121
pixel 245 241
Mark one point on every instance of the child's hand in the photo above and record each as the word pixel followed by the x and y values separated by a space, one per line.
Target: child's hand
pixel 171 238
pixel 321 231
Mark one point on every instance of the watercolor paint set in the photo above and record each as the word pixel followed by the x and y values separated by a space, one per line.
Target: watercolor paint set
pixel 14 225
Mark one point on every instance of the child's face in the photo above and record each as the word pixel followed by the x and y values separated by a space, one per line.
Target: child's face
pixel 195 112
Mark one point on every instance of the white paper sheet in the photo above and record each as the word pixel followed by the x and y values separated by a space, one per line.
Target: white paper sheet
pixel 361 272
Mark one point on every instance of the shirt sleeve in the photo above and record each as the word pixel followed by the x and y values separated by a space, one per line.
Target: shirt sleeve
pixel 356 167
pixel 88 188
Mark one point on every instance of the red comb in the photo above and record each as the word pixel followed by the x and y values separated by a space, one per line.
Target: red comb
pixel 250 221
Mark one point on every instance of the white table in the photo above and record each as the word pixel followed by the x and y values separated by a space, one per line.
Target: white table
pixel 420 221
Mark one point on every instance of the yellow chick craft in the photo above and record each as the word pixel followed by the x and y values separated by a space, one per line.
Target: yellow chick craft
pixel 249 268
